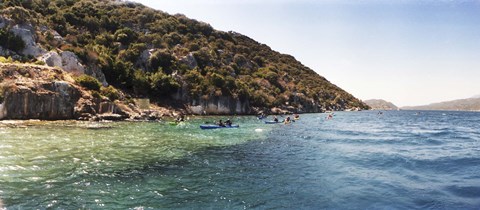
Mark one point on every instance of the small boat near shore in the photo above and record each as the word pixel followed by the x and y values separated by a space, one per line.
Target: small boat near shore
pixel 204 127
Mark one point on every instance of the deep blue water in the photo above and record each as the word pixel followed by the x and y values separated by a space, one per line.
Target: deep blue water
pixel 357 160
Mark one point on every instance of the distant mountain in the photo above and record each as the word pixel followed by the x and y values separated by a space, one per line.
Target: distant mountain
pixel 380 104
pixel 469 104
pixel 476 96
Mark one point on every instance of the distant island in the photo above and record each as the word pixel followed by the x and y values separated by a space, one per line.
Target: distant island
pixel 468 104
pixel 114 52
pixel 380 104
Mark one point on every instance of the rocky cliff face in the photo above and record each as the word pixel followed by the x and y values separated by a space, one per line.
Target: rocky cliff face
pixel 39 100
pixel 220 105
pixel 39 92
pixel 34 92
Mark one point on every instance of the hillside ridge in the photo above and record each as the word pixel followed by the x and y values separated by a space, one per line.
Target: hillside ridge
pixel 173 60
pixel 380 104
pixel 468 104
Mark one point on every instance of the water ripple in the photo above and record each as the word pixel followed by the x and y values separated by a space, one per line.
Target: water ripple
pixel 355 161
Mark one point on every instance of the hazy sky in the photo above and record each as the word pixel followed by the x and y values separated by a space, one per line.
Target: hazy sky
pixel 407 52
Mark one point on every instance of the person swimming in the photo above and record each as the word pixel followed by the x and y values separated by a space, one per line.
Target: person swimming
pixel 330 116
pixel 275 119
pixel 288 120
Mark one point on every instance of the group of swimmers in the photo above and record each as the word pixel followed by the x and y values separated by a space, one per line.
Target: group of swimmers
pixel 288 119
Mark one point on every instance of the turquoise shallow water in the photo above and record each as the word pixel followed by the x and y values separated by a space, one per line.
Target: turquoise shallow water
pixel 357 160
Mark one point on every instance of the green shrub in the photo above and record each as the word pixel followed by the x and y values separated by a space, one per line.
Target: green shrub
pixel 163 84
pixel 6 60
pixel 88 82
pixel 141 83
pixel 125 36
pixel 110 92
pixel 217 80
pixel 96 94
pixel 162 59
pixel 39 62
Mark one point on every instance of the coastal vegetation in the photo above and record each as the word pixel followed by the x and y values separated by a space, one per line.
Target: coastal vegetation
pixel 144 52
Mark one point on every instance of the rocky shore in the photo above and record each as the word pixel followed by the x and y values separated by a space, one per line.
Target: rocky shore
pixel 30 91
pixel 46 93
pixel 49 93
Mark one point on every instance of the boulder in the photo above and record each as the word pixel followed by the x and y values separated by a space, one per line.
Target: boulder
pixel 71 63
pixel 66 60
pixel 27 33
pixel 51 59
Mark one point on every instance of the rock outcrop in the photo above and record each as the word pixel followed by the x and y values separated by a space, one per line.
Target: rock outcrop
pixel 27 33
pixel 36 92
pixel 66 60
pixel 189 60
pixel 71 63
pixel 94 71
pixel 39 100
pixel 46 93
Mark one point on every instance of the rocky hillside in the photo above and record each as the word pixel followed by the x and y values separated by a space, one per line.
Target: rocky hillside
pixel 173 60
pixel 380 104
pixel 469 104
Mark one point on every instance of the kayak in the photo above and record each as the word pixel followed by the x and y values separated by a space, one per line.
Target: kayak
pixel 296 118
pixel 272 122
pixel 203 127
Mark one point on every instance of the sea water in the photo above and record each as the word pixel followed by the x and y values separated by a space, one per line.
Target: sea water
pixel 356 160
